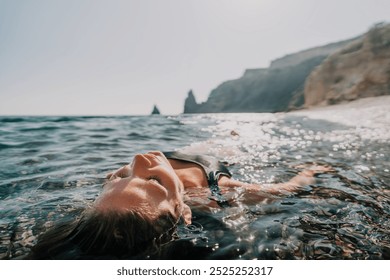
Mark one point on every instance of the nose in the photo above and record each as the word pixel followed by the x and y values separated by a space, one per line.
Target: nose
pixel 142 161
pixel 156 153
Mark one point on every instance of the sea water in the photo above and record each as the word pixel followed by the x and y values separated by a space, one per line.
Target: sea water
pixel 51 168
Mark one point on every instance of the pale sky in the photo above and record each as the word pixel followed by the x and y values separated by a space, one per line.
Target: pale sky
pixel 120 57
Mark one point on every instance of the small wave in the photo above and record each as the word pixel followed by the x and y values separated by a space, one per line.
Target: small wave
pixel 169 139
pixel 65 119
pixel 52 184
pixel 94 159
pixel 43 128
pixel 34 144
pixel 6 146
pixel 137 136
pixel 25 145
pixel 99 136
pixel 32 161
pixel 106 129
pixel 13 119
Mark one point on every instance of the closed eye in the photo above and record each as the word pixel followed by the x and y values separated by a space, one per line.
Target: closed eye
pixel 154 178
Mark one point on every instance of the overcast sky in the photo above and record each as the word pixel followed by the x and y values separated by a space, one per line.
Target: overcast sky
pixel 117 57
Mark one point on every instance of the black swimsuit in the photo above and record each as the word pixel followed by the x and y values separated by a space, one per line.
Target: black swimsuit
pixel 213 170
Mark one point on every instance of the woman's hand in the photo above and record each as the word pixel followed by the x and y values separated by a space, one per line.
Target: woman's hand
pixel 303 178
pixel 310 170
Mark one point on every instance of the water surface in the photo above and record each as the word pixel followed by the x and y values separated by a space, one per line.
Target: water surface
pixel 52 167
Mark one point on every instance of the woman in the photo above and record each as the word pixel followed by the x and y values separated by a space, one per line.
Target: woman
pixel 142 203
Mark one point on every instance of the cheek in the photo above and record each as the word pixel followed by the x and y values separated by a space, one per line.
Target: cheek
pixel 111 185
pixel 175 179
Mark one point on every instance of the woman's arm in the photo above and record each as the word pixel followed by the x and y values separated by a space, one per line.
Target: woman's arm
pixel 303 178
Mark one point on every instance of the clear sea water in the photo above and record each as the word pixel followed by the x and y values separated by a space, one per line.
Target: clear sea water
pixel 52 167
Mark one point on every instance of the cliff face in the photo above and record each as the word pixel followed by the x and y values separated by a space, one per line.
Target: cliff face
pixel 274 89
pixel 296 58
pixel 269 90
pixel 331 74
pixel 362 69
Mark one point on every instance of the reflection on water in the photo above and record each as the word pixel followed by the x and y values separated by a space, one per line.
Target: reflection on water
pixel 52 167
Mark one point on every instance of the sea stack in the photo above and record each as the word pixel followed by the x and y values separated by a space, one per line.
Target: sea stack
pixel 155 111
pixel 190 105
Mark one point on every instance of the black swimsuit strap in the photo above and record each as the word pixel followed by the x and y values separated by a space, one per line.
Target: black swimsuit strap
pixel 215 190
pixel 213 169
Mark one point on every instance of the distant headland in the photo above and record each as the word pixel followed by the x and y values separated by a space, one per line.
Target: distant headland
pixel 325 75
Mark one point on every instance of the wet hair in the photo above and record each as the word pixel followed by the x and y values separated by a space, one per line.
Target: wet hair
pixel 104 235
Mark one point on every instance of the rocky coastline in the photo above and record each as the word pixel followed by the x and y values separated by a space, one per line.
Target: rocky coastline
pixel 326 75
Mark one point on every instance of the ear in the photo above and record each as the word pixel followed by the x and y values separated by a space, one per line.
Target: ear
pixel 187 214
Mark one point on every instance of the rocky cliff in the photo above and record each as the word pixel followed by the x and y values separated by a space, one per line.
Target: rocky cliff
pixel 296 58
pixel 362 69
pixel 270 89
pixel 323 75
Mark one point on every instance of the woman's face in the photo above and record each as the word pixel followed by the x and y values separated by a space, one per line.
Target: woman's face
pixel 149 185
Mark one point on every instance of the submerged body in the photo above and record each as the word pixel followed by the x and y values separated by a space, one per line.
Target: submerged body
pixel 157 184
